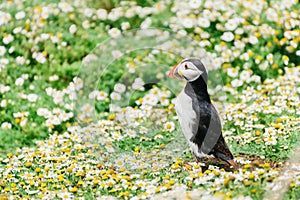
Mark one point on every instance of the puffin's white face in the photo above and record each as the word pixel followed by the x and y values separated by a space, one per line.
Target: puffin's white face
pixel 185 70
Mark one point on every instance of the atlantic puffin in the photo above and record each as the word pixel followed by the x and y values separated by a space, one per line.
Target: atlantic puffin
pixel 197 115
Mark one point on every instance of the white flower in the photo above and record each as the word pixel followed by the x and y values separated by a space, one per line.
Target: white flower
pixel 78 83
pixel 19 81
pixel 32 97
pixel 8 39
pixel 232 72
pixel 53 78
pixel 146 23
pixel 93 94
pixel 245 75
pixel 187 22
pixel 236 83
pixel 4 18
pixel 125 26
pixel 169 126
pixel 101 96
pixel 115 96
pixel 231 24
pixel 88 12
pixel 20 15
pixel 23 121
pixel 227 36
pixel 255 79
pixel 44 112
pixel 65 7
pixel 65 195
pixel 239 44
pixel 114 108
pixel 129 13
pixel 263 66
pixel 2 50
pixel 45 12
pixel 39 57
pixel 150 99
pixel 25 76
pixel 203 22
pixel 138 84
pixel 89 58
pixel 120 88
pixel 86 24
pixel 72 28
pixel 253 40
pixel 117 54
pixel 115 14
pixel 270 140
pixel 114 32
pixel 3 103
pixel 11 49
pixel 101 14
pixel 6 125
pixel 270 58
pixel 31 87
pixel 20 60
pixel 4 89
pixel 194 4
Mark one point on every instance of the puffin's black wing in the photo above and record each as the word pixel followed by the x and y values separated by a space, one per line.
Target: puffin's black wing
pixel 209 135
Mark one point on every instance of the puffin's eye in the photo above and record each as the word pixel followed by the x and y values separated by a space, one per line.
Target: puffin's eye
pixel 185 66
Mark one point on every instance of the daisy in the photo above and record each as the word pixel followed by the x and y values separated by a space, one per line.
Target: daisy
pixel 115 96
pixel 19 81
pixel 232 72
pixel 2 50
pixel 114 33
pixel 117 54
pixel 169 126
pixel 120 88
pixel 231 24
pixel 73 28
pixel 227 36
pixel 32 97
pixel 8 38
pixel 101 14
pixel 194 4
pixel 203 22
pixel 125 26
pixel 6 125
pixel 65 195
pixel 138 84
pixel 253 40
pixel 20 15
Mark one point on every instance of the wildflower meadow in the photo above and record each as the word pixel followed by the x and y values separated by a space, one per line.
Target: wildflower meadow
pixel 87 108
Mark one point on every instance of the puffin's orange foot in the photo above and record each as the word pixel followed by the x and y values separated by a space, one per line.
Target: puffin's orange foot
pixel 187 166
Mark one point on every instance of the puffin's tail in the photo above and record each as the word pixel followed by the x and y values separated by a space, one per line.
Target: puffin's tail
pixel 222 152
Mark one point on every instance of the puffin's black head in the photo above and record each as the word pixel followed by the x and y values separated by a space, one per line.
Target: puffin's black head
pixel 189 69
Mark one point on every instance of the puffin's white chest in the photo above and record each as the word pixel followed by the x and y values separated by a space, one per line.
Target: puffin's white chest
pixel 188 121
pixel 186 114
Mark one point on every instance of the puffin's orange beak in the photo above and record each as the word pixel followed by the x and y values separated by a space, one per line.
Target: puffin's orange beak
pixel 171 73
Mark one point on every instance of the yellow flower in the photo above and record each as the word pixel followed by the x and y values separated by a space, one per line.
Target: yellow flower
pixel 251 176
pixel 28 164
pixel 247 183
pixel 74 189
pixel 38 170
pixel 247 166
pixel 9 155
pixel 253 191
